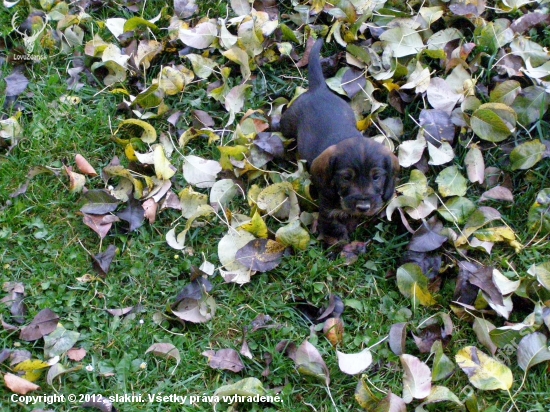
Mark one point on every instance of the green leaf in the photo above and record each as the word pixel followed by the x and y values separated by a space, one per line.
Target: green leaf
pixel 443 367
pixel 493 121
pixel 414 285
pixel 483 371
pixel 245 387
pixel 293 235
pixel 542 273
pixel 527 154
pixel 505 92
pixel 403 41
pixel 59 341
pixel 532 349
pixel 457 209
pixel 417 186
pixel 538 218
pixel 451 183
pixel 531 104
pixel 136 22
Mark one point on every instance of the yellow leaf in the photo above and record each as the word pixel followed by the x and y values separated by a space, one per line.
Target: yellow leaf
pixel 149 134
pixel 191 201
pixel 32 369
pixel 227 152
pixel 163 168
pixel 130 153
pixel 256 226
pixel 171 81
pixel 423 295
pixel 483 371
pixel 293 235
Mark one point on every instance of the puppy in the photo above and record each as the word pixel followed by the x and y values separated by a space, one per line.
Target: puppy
pixel 354 176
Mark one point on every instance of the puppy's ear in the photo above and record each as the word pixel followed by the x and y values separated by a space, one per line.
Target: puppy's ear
pixel 322 168
pixel 391 164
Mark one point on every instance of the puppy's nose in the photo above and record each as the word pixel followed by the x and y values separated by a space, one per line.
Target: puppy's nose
pixel 363 206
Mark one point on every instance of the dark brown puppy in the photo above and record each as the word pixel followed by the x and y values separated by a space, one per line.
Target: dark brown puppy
pixel 353 175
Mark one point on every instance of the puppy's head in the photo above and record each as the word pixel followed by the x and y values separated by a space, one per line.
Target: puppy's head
pixel 358 174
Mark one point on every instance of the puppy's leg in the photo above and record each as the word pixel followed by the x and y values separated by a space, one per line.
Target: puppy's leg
pixel 331 230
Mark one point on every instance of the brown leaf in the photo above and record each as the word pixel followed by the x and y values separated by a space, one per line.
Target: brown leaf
pixel 101 224
pixel 427 237
pixel 529 20
pixel 19 385
pixel 245 350
pixel 76 354
pixel 497 193
pixel 351 252
pixel 427 337
pixel 133 214
pixel 227 359
pixel 150 208
pixel 15 300
pixel 483 278
pixel 165 350
pixel 98 202
pixel 261 255
pixel 334 330
pixel 77 180
pixel 397 336
pixel 83 165
pixel 102 261
pixel 202 119
pixel 310 362
pixel 262 322
pixel 334 309
pixel 43 323
pixel 120 312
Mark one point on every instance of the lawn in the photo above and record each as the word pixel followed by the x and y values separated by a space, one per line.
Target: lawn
pixel 139 155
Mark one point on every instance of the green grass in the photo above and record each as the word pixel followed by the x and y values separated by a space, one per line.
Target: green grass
pixel 45 246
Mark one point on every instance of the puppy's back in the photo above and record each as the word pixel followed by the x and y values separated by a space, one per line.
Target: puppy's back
pixel 318 118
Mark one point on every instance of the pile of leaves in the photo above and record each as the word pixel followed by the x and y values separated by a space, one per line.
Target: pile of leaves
pixel 457 89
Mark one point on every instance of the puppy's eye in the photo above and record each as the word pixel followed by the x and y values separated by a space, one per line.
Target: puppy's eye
pixel 376 178
pixel 346 177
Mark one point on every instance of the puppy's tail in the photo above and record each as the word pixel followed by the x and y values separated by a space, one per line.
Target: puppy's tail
pixel 315 76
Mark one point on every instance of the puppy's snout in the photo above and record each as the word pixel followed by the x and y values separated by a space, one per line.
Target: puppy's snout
pixel 363 206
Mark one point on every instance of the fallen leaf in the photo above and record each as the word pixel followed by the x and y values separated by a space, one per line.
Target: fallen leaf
pixel 101 224
pixel 310 362
pixel 200 172
pixel 133 214
pixel 76 354
pixel 101 403
pixel 44 322
pixel 475 165
pixel 59 341
pixel 102 261
pixel 443 367
pixel 532 350
pixel 497 193
pixel 226 359
pixel 333 330
pixel 451 183
pixel 354 363
pixel 19 385
pixel 414 285
pixel 260 255
pixel 165 350
pixel 416 378
pixel 484 372
pixel 245 387
pixel 83 165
